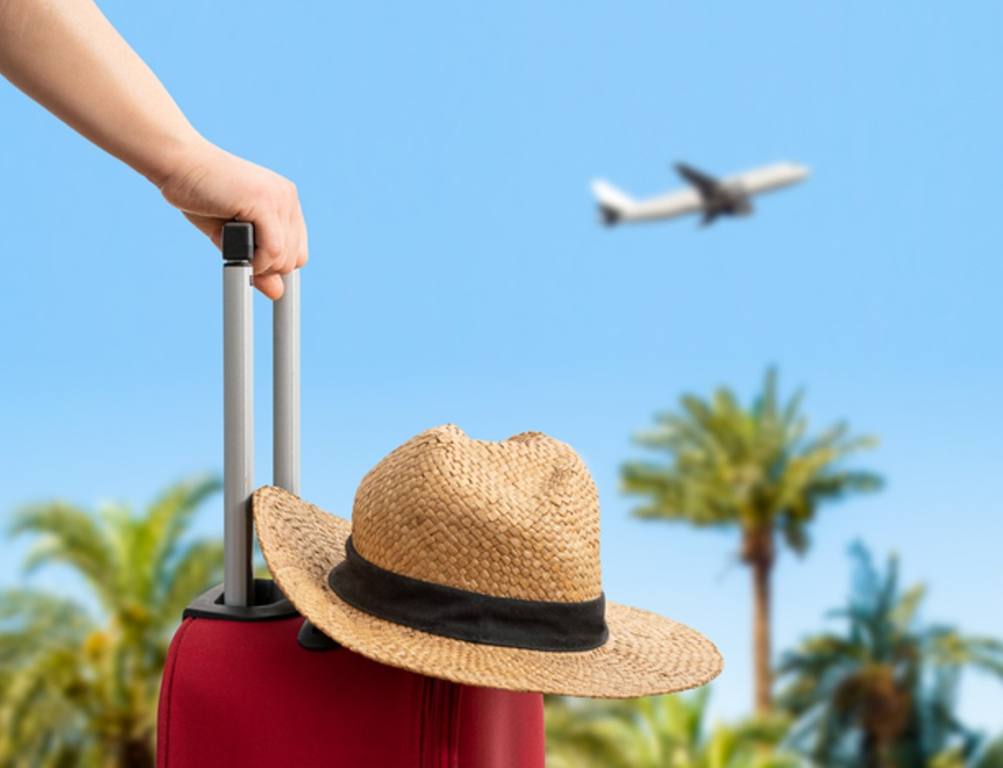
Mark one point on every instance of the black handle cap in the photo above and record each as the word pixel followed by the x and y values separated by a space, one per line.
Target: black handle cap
pixel 238 242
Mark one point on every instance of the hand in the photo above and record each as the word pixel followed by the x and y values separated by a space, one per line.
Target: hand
pixel 211 187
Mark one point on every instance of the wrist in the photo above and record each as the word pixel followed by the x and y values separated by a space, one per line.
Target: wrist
pixel 174 156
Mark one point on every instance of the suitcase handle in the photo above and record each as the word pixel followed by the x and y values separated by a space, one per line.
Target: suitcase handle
pixel 238 403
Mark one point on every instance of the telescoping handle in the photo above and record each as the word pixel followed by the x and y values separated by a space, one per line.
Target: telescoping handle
pixel 238 399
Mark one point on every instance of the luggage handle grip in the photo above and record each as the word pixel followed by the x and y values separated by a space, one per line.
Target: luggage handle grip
pixel 237 243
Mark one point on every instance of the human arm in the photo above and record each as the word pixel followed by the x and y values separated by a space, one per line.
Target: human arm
pixel 67 56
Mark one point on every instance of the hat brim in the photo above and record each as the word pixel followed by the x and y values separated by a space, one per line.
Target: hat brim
pixel 646 654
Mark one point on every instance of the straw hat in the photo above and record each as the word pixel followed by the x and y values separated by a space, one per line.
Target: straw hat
pixel 477 562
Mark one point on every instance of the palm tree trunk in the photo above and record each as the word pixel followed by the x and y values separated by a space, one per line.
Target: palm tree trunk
pixel 877 750
pixel 136 753
pixel 761 634
pixel 758 553
pixel 872 754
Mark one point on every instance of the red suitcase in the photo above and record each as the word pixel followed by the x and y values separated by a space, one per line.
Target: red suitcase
pixel 248 683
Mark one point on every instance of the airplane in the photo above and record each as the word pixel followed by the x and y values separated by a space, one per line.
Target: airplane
pixel 709 196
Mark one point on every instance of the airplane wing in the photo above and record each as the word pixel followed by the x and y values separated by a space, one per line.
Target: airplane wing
pixel 767 178
pixel 704 182
pixel 666 206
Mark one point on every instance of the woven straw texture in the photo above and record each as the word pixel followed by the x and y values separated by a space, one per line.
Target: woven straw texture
pixel 516 518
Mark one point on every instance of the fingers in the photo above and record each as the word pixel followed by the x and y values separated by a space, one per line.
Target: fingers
pixel 281 242
pixel 299 226
pixel 270 285
pixel 292 244
pixel 295 241
pixel 281 245
pixel 211 186
pixel 267 279
pixel 269 242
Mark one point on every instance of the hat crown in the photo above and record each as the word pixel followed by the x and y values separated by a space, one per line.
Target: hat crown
pixel 513 518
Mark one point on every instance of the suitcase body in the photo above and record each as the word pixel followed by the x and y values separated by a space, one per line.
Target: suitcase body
pixel 244 685
pixel 247 694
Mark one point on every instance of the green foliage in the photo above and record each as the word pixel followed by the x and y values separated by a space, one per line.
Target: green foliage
pixel 882 691
pixel 753 467
pixel 991 756
pixel 78 688
pixel 658 732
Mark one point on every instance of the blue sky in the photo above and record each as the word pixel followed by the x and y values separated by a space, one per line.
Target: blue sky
pixel 457 273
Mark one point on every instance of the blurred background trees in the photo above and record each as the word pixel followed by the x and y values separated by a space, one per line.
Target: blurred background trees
pixel 79 679
pixel 659 732
pixel 79 676
pixel 881 693
pixel 754 469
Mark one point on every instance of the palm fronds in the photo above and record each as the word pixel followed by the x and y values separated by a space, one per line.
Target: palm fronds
pixel 77 689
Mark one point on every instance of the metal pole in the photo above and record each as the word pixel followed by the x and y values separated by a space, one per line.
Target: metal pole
pixel 286 386
pixel 238 411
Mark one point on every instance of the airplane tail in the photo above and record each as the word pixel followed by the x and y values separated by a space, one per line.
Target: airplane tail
pixel 613 203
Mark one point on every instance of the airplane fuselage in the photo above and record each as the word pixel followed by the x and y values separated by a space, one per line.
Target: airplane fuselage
pixel 707 195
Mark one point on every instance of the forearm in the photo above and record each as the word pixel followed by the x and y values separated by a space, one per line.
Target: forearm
pixel 68 57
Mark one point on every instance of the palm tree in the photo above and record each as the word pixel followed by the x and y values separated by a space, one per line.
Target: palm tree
pixel 881 693
pixel 79 680
pixel 991 756
pixel 658 732
pixel 754 469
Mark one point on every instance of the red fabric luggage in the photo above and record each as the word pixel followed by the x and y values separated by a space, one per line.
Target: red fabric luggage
pixel 244 686
pixel 247 694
